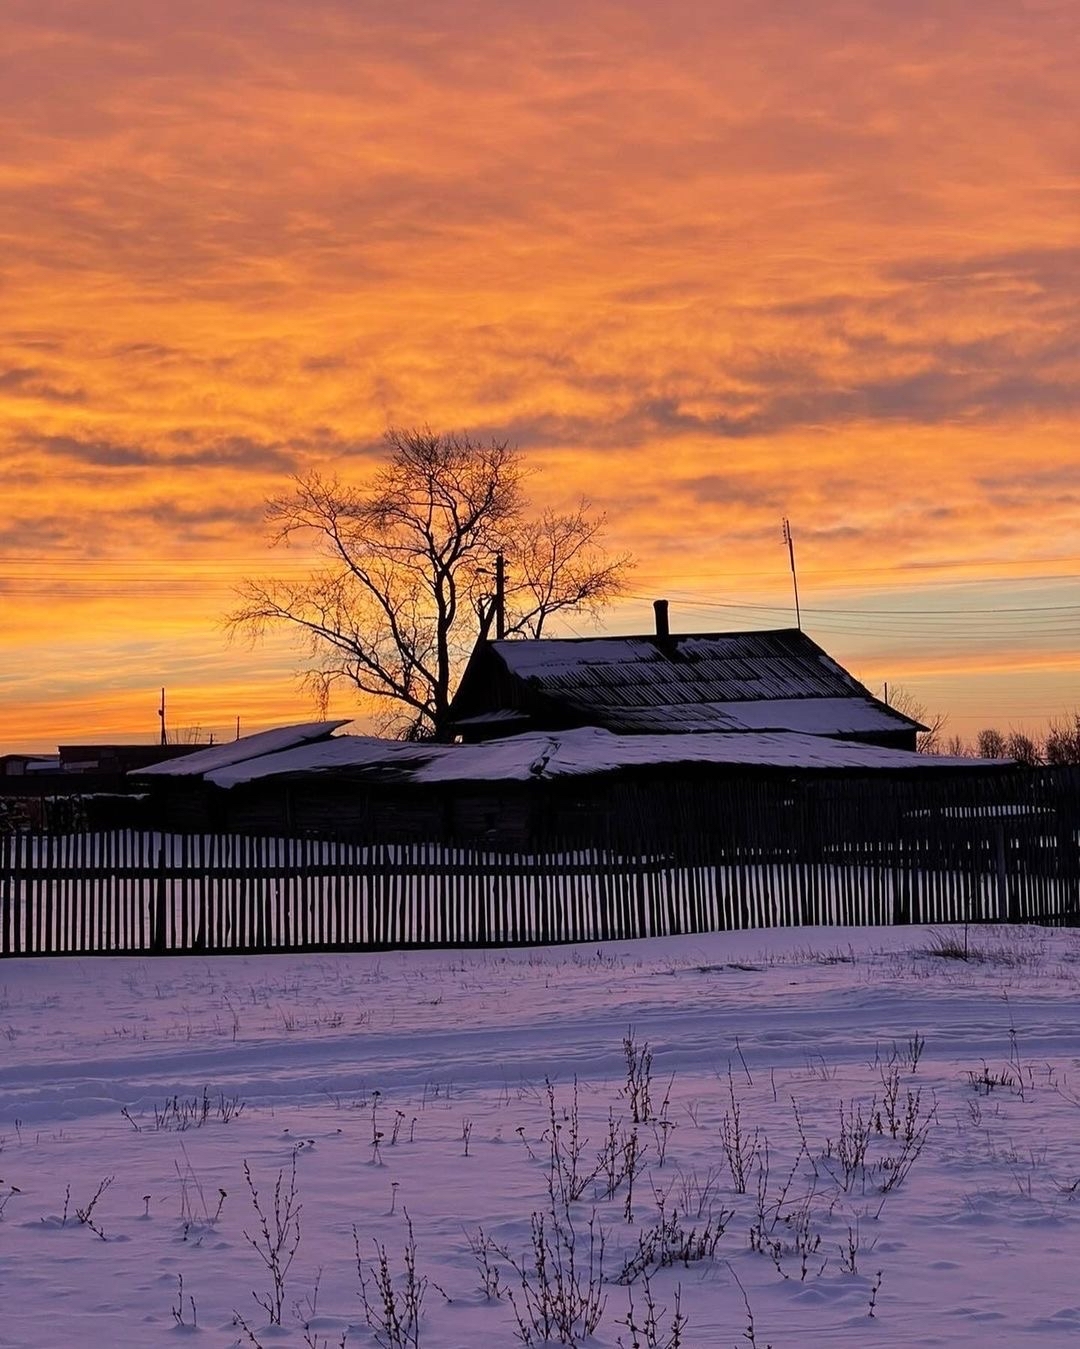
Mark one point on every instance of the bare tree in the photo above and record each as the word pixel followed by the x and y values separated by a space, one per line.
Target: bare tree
pixel 990 744
pixel 930 741
pixel 1062 743
pixel 1023 748
pixel 556 562
pixel 407 583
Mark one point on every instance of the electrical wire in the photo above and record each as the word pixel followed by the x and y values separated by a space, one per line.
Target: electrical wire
pixel 31 577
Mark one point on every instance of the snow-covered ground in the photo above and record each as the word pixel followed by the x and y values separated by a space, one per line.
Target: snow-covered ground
pixel 853 1137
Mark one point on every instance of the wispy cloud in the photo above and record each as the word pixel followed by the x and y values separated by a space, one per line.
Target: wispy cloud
pixel 721 259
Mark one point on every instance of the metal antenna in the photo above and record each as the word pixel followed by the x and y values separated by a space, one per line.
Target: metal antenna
pixel 161 714
pixel 794 578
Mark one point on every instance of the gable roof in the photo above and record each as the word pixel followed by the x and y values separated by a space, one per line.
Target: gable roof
pixel 738 681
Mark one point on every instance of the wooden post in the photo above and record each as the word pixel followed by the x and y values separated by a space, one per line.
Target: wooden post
pixel 1004 914
pixel 9 881
pixel 1067 821
pixel 158 941
pixel 500 596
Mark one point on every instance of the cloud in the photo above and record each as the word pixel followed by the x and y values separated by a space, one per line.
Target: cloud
pixel 30 382
pixel 34 534
pixel 933 397
pixel 730 490
pixel 1050 268
pixel 1047 492
pixel 704 264
pixel 17 379
pixel 1052 479
pixel 233 452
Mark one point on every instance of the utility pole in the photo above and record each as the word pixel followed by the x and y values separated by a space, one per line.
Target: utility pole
pixel 500 597
pixel 161 715
pixel 794 578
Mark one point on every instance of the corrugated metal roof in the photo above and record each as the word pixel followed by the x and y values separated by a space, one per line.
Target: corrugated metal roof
pixel 853 715
pixel 777 680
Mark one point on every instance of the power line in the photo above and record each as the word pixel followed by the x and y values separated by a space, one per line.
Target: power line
pixel 888 613
pixel 904 568
pixel 905 581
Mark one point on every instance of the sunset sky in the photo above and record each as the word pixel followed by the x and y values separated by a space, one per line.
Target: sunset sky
pixel 710 262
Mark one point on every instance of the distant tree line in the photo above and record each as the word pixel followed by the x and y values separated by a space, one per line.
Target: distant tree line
pixel 1060 743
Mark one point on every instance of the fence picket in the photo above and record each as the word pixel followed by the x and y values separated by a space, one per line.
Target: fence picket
pixel 739 855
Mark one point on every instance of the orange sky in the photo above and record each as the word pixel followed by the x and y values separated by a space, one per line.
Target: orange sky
pixel 711 262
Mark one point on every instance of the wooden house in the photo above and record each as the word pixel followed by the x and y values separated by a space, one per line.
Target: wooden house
pixel 636 738
pixel 697 684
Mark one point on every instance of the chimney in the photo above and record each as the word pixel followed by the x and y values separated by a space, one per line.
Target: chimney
pixel 660 609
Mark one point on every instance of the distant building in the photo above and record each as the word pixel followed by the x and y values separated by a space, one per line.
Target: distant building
pixel 116 760
pixel 25 765
pixel 79 786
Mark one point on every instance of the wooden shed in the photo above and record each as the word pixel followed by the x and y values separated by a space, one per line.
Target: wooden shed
pixel 523 791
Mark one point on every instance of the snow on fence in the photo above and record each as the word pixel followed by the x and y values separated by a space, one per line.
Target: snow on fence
pixel 141 892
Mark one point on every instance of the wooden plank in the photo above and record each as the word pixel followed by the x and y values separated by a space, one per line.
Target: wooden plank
pixel 8 884
pixel 754 853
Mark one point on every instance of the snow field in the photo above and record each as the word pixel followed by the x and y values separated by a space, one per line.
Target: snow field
pixel 837 1123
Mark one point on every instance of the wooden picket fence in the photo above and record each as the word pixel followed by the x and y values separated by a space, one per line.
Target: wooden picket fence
pixel 773 855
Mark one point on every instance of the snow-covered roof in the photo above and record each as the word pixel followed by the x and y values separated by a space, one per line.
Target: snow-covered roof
pixel 340 752
pixel 205 761
pixel 738 681
pixel 503 716
pixel 589 749
pixel 586 750
pixel 810 716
